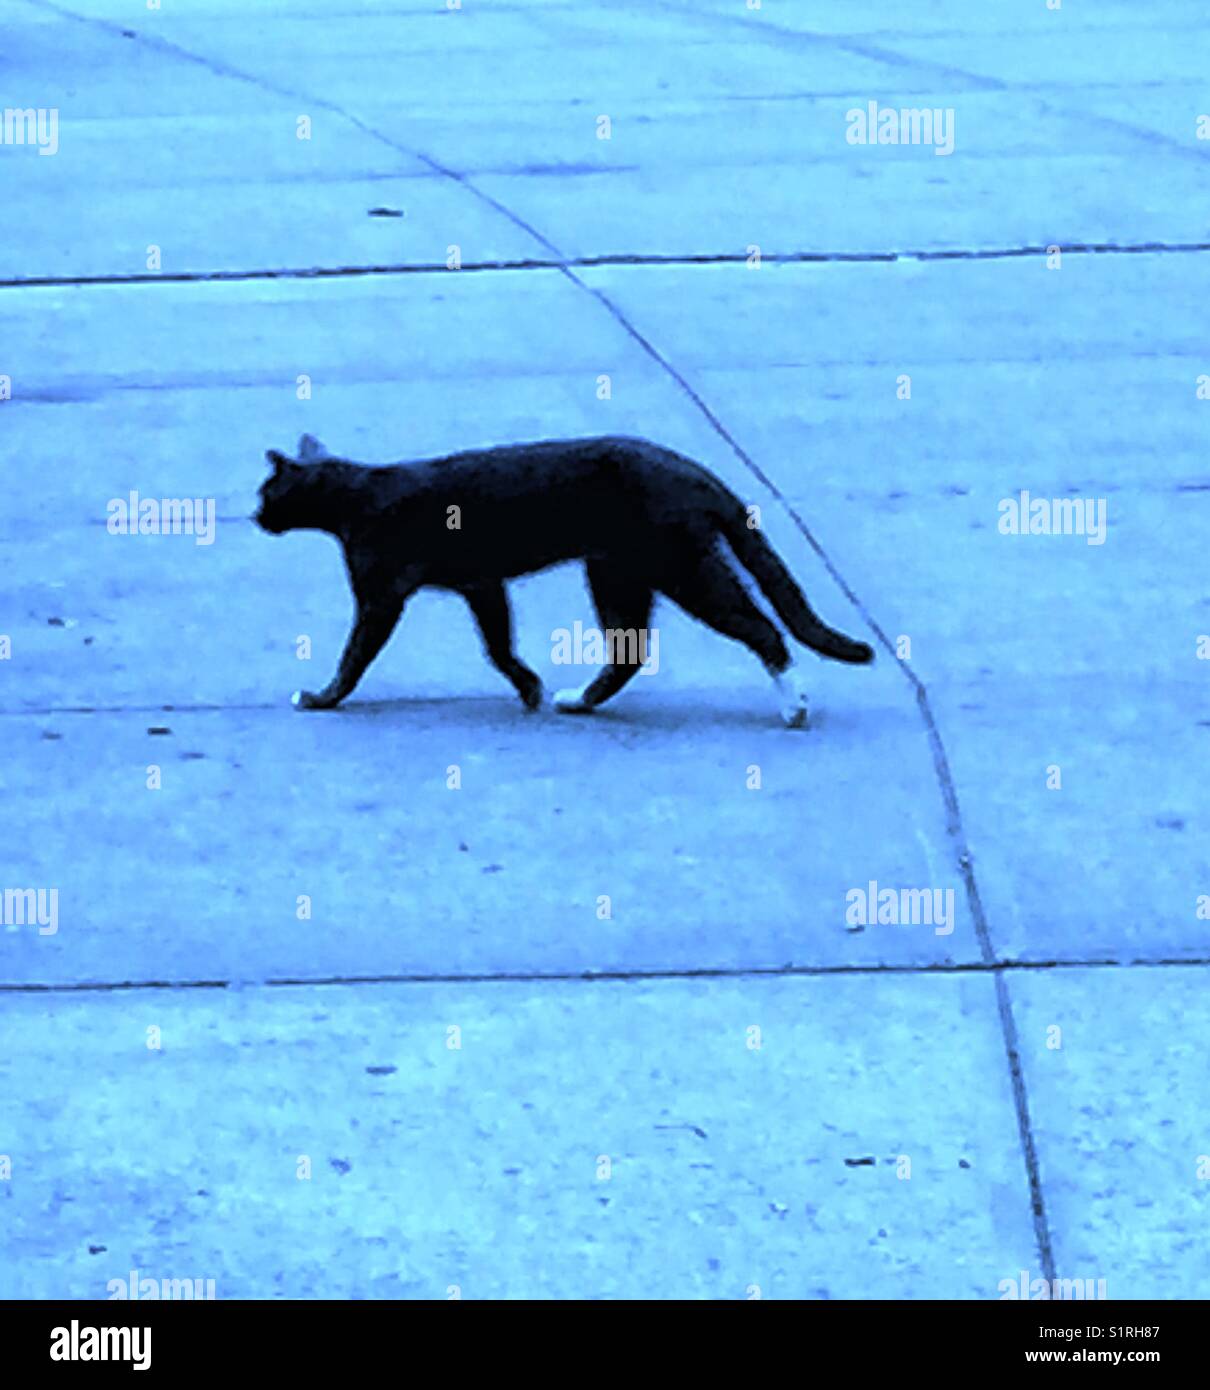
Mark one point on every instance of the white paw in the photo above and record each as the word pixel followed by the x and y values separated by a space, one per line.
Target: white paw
pixel 571 702
pixel 792 701
pixel 304 699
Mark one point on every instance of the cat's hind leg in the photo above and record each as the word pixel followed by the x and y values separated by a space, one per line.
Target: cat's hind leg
pixel 374 624
pixel 489 603
pixel 711 591
pixel 623 603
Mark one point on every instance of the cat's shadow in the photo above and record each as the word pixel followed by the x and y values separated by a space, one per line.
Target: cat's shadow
pixel 501 714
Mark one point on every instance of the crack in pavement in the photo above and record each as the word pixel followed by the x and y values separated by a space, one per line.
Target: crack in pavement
pixel 612 258
pixel 954 827
pixel 603 976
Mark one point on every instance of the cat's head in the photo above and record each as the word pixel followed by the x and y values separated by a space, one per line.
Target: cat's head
pixel 287 496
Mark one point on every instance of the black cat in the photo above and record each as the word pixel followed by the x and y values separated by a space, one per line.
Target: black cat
pixel 643 519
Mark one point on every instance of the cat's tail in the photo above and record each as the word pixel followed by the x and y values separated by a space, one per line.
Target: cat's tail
pixel 778 585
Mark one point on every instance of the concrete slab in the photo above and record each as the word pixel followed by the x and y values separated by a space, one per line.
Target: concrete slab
pixel 712 116
pixel 1049 659
pixel 526 895
pixel 1119 1100
pixel 731 1139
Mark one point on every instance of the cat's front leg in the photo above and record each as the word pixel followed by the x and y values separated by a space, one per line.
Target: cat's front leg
pixel 375 623
pixel 489 603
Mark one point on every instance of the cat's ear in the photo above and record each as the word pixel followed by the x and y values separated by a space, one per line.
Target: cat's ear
pixel 310 448
pixel 278 459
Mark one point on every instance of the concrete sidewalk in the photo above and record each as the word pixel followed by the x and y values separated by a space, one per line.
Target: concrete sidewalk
pixel 456 1070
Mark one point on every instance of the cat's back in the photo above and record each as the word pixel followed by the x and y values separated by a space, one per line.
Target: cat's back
pixel 509 468
pixel 556 463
